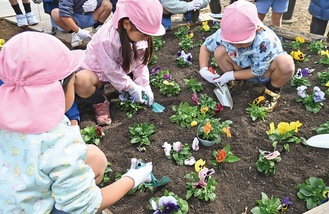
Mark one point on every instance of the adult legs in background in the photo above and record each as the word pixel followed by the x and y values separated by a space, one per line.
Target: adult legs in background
pixel 318 26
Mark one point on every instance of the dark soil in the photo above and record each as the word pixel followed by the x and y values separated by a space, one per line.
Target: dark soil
pixel 239 184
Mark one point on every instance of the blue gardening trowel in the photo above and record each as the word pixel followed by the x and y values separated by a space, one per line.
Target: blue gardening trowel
pixel 154 182
pixel 156 107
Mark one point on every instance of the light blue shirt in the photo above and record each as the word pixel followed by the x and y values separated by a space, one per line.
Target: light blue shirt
pixel 41 171
pixel 265 47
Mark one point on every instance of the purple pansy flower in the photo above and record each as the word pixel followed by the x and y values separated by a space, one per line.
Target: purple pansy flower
pixel 285 203
pixel 155 71
pixel 167 204
pixel 167 76
pixel 301 91
pixel 318 94
pixel 180 54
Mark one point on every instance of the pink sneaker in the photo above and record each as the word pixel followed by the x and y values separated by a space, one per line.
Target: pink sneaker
pixel 102 113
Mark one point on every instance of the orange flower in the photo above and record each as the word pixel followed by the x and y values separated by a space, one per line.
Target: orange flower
pixel 207 128
pixel 221 155
pixel 227 131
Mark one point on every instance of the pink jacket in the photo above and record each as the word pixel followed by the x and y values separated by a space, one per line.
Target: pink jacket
pixel 103 56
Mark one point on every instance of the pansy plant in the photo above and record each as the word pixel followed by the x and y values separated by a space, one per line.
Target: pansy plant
pixel 323 128
pixel 184 59
pixel 285 133
pixel 297 44
pixel 141 133
pixel 157 43
pixel 92 134
pixel 193 84
pixel 324 78
pixel 313 191
pixel 299 78
pixel 181 32
pixel 266 161
pixel 128 104
pixel 180 153
pixel 201 184
pixel 316 46
pixel 223 156
pixel 313 101
pixel 271 205
pixel 255 111
pixel 168 203
pixel 324 57
pixel 186 43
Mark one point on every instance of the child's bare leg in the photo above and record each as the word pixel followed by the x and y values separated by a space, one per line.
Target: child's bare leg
pixel 224 62
pixel 86 83
pixel 97 161
pixel 277 19
pixel 103 12
pixel 281 70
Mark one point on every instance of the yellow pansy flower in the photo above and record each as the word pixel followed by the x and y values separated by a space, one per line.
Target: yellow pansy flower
pixel 295 125
pixel 2 42
pixel 325 53
pixel 283 127
pixel 204 110
pixel 190 35
pixel 194 123
pixel 300 39
pixel 205 26
pixel 272 129
pixel 199 165
pixel 166 82
pixel 327 84
pixel 297 55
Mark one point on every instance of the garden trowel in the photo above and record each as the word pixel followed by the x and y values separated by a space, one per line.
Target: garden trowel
pixel 223 95
pixel 319 141
pixel 156 107
pixel 154 182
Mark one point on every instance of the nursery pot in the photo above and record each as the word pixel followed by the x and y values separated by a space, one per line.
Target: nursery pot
pixel 204 141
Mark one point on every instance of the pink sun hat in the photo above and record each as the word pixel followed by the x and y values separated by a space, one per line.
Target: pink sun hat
pixel 32 97
pixel 240 22
pixel 146 15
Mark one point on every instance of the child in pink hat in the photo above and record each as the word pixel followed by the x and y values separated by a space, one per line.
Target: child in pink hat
pixel 45 165
pixel 245 49
pixel 119 53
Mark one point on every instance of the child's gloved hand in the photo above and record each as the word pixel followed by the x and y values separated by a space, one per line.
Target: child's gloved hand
pixel 208 74
pixel 141 175
pixel 194 5
pixel 149 94
pixel 227 76
pixel 136 91
pixel 83 34
pixel 89 6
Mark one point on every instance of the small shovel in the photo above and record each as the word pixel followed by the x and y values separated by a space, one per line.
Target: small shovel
pixel 154 182
pixel 223 95
pixel 319 141
pixel 156 107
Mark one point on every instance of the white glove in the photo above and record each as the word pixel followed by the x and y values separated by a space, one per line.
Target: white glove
pixel 227 76
pixel 89 6
pixel 149 94
pixel 136 91
pixel 83 34
pixel 140 175
pixel 194 5
pixel 37 1
pixel 208 75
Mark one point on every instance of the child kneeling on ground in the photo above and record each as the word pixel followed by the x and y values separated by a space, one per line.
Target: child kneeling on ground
pixel 46 165
pixel 245 49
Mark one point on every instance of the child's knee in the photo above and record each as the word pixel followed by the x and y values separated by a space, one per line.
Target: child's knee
pixel 285 64
pixel 220 53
